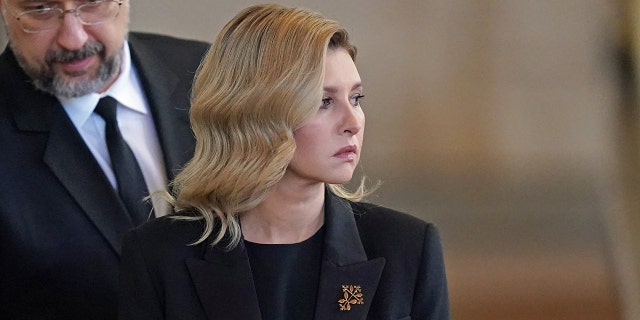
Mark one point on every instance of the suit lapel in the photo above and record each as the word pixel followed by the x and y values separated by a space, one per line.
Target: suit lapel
pixel 67 155
pixel 169 106
pixel 224 284
pixel 74 165
pixel 348 280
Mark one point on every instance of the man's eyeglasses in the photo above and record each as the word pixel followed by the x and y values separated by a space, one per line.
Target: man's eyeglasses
pixel 45 17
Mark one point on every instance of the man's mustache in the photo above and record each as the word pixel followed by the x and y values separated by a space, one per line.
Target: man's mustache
pixel 88 50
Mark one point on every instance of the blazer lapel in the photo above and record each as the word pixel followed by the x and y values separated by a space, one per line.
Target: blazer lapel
pixel 169 106
pixel 74 165
pixel 68 157
pixel 348 280
pixel 224 284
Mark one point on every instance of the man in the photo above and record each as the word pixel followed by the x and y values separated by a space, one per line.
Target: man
pixel 62 206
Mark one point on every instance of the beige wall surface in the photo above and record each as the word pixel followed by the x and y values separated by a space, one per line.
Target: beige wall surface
pixel 497 121
pixel 3 35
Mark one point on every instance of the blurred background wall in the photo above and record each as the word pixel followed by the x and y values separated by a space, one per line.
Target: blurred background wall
pixel 512 125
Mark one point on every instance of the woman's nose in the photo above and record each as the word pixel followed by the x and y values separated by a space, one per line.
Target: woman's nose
pixel 352 118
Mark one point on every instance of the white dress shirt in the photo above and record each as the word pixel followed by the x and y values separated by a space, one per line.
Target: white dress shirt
pixel 135 122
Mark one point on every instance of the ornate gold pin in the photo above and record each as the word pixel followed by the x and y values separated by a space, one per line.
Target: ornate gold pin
pixel 351 295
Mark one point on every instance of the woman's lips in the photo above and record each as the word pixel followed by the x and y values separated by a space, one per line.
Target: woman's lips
pixel 349 153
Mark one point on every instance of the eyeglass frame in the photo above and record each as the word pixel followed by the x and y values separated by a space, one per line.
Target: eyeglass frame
pixel 63 12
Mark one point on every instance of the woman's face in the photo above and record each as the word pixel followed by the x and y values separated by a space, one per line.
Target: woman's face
pixel 329 144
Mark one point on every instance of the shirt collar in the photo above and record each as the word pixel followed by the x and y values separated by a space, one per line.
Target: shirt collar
pixel 125 89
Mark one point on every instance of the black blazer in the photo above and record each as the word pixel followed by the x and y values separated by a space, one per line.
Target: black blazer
pixel 396 259
pixel 61 223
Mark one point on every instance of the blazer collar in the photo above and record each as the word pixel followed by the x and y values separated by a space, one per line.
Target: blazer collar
pixel 224 284
pixel 30 109
pixel 223 280
pixel 346 270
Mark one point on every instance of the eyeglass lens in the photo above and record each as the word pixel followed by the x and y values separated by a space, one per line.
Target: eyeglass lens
pixel 89 13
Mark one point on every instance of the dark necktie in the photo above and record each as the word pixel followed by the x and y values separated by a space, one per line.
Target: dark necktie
pixel 131 185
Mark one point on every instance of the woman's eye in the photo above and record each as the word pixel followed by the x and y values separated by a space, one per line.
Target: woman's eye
pixel 325 102
pixel 355 99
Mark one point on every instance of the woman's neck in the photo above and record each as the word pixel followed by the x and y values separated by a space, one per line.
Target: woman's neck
pixel 286 215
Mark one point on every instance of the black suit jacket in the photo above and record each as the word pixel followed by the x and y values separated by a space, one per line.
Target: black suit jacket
pixel 61 223
pixel 396 259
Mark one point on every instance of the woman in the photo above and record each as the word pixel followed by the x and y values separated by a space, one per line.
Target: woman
pixel 263 229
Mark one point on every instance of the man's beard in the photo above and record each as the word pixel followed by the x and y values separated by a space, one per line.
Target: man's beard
pixel 47 80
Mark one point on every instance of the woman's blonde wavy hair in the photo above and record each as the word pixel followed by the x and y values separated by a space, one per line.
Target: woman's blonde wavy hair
pixel 259 82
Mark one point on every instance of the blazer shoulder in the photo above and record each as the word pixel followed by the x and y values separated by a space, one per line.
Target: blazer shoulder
pixel 373 214
pixel 383 230
pixel 167 234
pixel 170 50
pixel 166 41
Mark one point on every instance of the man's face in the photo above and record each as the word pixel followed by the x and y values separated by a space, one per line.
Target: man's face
pixel 70 60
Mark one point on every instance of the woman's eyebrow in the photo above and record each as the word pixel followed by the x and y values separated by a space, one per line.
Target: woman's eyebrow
pixel 330 89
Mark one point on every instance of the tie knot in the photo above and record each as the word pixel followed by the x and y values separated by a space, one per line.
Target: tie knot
pixel 106 108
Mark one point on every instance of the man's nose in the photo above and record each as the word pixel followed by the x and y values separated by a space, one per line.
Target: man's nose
pixel 71 33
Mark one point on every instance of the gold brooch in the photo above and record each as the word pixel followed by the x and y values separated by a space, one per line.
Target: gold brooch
pixel 351 295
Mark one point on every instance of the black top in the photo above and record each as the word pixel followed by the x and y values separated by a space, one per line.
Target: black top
pixel 286 277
